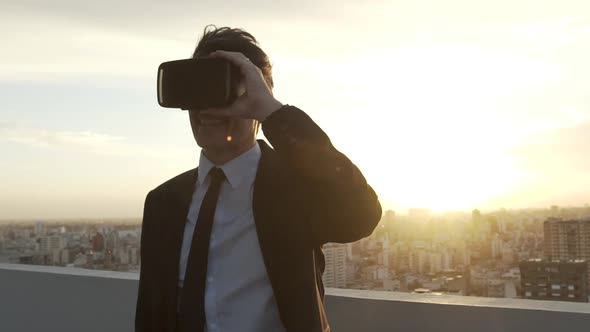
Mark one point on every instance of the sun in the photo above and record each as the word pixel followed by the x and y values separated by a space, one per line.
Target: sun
pixel 444 176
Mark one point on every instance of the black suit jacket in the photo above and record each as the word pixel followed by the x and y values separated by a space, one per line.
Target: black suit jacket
pixel 306 194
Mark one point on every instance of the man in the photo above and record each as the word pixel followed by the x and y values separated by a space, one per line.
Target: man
pixel 235 244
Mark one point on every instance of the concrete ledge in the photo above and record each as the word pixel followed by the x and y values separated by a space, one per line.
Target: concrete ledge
pixel 501 303
pixel 72 271
pixel 44 298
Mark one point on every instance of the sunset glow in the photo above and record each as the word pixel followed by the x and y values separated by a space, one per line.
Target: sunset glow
pixel 442 106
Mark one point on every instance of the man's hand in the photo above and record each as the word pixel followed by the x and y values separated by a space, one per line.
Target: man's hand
pixel 257 102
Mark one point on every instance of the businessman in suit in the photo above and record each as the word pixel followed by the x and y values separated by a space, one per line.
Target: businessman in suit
pixel 235 244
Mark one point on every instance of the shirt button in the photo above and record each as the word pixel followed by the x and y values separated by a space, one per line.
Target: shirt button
pixel 209 279
pixel 212 326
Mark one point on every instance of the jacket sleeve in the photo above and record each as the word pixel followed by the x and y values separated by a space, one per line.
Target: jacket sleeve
pixel 142 314
pixel 342 206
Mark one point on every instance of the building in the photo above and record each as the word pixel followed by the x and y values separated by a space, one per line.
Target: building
pixel 52 242
pixel 111 240
pixel 456 285
pixel 374 273
pixel 567 240
pixel 134 256
pixel 388 219
pixel 494 288
pixel 554 280
pixel 436 262
pixel 122 256
pixel 60 257
pixel 496 249
pixel 476 217
pixel 385 250
pixel 335 272
pixel 508 255
pixel 510 290
pixel 40 229
pixel 447 261
pixel 419 261
pixel 98 242
pixel 349 251
pixel 462 255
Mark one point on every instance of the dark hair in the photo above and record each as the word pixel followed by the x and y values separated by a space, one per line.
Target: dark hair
pixel 234 40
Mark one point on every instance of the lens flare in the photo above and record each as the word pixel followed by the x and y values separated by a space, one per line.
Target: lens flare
pixel 228 138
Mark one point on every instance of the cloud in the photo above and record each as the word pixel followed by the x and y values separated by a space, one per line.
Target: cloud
pixel 83 139
pixel 88 142
pixel 165 12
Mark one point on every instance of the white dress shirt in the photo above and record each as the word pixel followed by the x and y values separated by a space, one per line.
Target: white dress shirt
pixel 238 293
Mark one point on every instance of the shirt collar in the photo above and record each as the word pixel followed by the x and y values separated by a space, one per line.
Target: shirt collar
pixel 236 170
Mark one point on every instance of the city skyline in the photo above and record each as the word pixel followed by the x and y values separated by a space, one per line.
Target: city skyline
pixel 420 213
pixel 451 106
pixel 505 254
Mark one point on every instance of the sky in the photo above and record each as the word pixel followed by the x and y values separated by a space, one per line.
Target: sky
pixel 447 105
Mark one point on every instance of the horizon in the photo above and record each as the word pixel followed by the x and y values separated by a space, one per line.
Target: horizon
pixel 404 213
pixel 450 107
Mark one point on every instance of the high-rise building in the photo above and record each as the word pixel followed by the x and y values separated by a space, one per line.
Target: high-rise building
pixel 567 240
pixel 40 229
pixel 335 272
pixel 554 280
pixel 349 251
pixel 385 250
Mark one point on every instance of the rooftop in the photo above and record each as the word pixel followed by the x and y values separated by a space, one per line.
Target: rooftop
pixel 44 298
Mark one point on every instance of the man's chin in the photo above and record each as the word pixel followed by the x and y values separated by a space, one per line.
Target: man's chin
pixel 213 142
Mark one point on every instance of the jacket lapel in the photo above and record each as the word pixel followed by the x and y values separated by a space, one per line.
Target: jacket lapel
pixel 178 206
pixel 265 191
pixel 265 208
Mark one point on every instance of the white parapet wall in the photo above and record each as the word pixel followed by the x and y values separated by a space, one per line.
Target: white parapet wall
pixel 355 310
pixel 41 298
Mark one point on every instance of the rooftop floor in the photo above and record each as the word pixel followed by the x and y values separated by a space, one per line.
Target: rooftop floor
pixel 44 298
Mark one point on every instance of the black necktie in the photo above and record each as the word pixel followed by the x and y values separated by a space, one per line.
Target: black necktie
pixel 192 300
